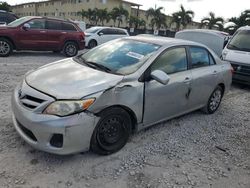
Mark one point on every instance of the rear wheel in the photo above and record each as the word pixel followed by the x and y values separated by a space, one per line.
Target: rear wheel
pixel 214 101
pixel 70 49
pixel 92 44
pixel 6 47
pixel 112 131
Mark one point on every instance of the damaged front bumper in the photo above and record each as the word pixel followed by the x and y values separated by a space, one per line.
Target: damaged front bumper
pixel 53 134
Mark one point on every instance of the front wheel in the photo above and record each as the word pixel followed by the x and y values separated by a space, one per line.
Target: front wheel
pixel 214 101
pixel 112 131
pixel 70 49
pixel 6 47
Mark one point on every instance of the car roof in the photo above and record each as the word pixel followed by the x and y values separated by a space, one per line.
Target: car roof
pixel 244 28
pixel 52 18
pixel 103 27
pixel 210 31
pixel 163 41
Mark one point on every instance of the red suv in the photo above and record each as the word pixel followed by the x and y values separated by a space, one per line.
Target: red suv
pixel 41 34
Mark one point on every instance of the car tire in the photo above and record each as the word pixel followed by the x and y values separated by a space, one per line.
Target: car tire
pixel 111 132
pixel 92 44
pixel 6 47
pixel 70 49
pixel 214 101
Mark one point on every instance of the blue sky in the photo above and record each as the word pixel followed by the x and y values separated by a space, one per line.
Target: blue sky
pixel 223 8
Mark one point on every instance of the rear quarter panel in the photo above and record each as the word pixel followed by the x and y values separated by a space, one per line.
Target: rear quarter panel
pixel 225 74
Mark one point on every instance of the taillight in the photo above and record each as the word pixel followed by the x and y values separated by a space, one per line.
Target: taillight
pixel 82 36
pixel 232 70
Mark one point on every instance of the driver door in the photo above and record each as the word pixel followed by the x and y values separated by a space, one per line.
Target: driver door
pixel 35 36
pixel 166 101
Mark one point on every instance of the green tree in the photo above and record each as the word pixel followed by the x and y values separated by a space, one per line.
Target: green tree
pixel 183 17
pixel 103 15
pixel 83 14
pixel 211 21
pixel 242 20
pixel 118 13
pixel 158 19
pixel 5 6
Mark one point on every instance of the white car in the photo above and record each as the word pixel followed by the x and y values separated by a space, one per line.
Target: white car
pixel 98 35
pixel 237 52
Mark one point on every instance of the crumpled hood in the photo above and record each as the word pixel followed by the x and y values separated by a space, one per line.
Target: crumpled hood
pixel 238 56
pixel 67 79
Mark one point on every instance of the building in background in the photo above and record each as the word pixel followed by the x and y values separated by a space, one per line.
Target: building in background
pixel 68 9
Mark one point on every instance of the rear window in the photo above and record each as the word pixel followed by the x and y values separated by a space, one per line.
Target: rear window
pixel 53 25
pixel 121 32
pixel 68 27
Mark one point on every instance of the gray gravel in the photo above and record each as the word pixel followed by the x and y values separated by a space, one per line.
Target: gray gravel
pixel 195 150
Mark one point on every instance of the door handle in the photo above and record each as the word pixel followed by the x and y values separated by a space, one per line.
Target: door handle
pixel 42 31
pixel 187 80
pixel 214 72
pixel 63 32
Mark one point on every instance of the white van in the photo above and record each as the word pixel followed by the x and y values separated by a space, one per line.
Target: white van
pixel 215 40
pixel 237 52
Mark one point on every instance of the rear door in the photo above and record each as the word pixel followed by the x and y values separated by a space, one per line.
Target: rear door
pixel 35 37
pixel 55 34
pixel 120 33
pixel 204 74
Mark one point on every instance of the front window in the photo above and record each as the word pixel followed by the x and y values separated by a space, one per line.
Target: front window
pixel 120 56
pixel 240 41
pixel 18 21
pixel 172 61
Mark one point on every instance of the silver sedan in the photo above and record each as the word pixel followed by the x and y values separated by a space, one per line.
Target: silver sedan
pixel 97 99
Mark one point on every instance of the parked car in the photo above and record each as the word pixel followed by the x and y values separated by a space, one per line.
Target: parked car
pixel 6 17
pixel 237 52
pixel 41 34
pixel 99 35
pixel 95 100
pixel 215 40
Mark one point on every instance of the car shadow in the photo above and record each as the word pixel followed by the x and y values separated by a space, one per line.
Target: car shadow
pixel 241 86
pixel 36 53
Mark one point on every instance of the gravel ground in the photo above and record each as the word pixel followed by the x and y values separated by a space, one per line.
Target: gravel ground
pixel 195 150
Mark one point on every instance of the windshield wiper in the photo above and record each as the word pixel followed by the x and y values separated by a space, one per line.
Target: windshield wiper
pixel 93 64
pixel 233 47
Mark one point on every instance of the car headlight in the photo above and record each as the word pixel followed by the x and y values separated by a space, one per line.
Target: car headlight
pixel 65 107
pixel 224 54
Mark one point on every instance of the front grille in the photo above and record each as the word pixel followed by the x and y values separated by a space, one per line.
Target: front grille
pixel 241 69
pixel 30 101
pixel 28 132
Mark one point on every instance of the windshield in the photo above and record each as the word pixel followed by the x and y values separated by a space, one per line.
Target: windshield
pixel 240 41
pixel 18 21
pixel 92 30
pixel 123 56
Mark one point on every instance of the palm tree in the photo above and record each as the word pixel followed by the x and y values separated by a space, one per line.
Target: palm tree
pixel 183 17
pixel 213 21
pixel 242 20
pixel 177 20
pixel 118 13
pixel 158 19
pixel 83 14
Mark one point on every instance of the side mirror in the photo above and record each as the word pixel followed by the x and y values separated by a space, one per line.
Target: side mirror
pixel 100 34
pixel 26 26
pixel 160 77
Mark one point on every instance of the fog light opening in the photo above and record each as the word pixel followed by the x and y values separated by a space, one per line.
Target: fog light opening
pixel 57 140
